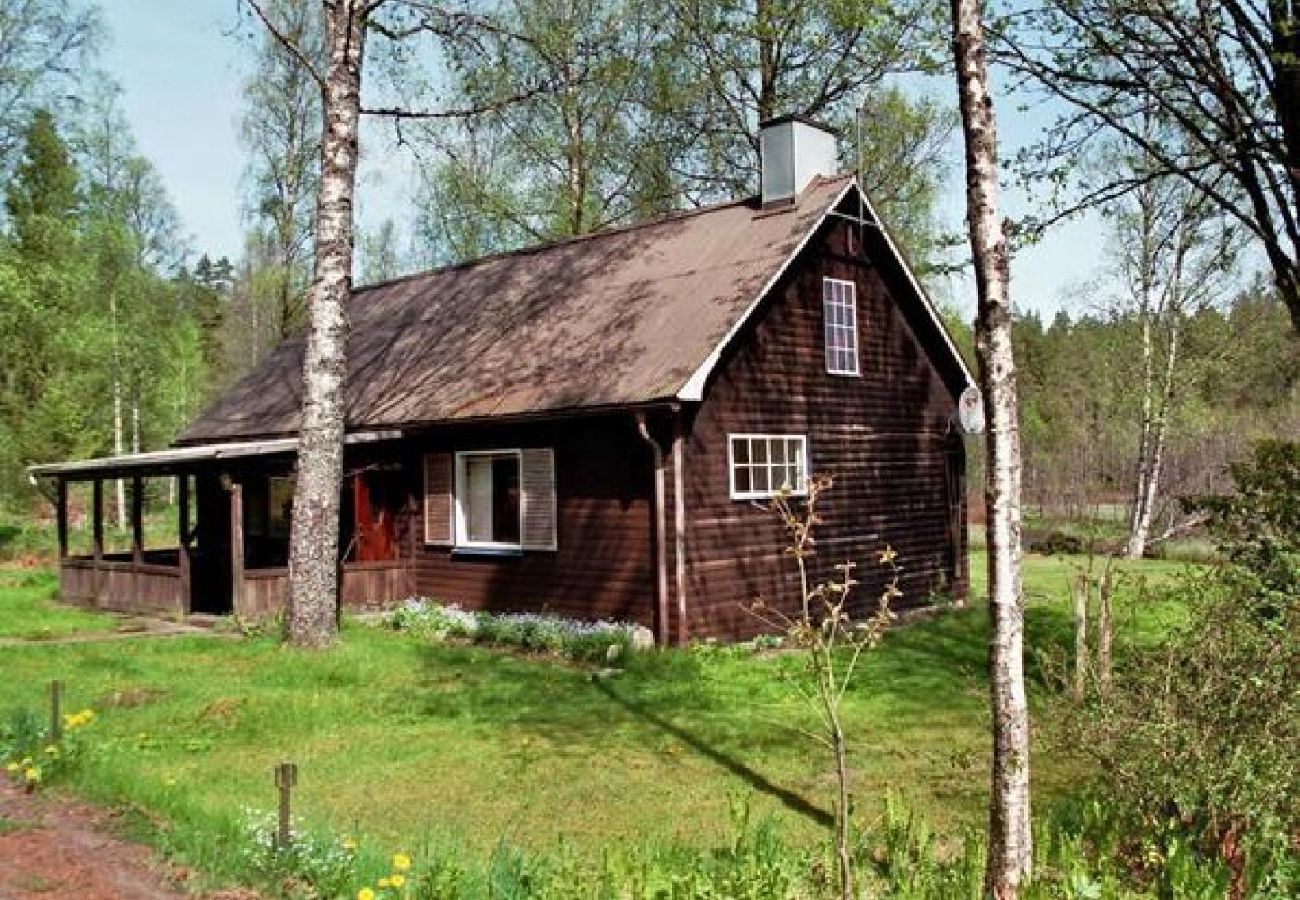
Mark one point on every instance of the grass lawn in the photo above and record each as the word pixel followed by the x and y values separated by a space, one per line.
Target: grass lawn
pixel 398 740
pixel 28 609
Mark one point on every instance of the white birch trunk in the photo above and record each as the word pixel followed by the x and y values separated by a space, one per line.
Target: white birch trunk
pixel 1010 839
pixel 119 434
pixel 314 537
pixel 1151 460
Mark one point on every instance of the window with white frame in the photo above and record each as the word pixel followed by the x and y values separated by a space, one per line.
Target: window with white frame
pixel 840 311
pixel 764 464
pixel 489 511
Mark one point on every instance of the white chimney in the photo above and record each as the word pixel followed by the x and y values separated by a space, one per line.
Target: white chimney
pixel 793 151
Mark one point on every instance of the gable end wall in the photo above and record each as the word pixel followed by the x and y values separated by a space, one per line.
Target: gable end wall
pixel 885 437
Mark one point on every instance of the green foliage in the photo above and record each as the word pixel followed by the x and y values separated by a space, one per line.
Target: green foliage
pixel 31 754
pixel 1080 405
pixel 1258 524
pixel 594 642
pixel 1199 740
pixel 101 349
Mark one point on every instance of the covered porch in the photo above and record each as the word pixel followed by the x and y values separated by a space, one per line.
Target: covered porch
pixel 225 547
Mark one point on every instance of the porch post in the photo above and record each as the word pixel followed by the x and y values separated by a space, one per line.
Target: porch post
pixel 237 547
pixel 137 519
pixel 97 520
pixel 183 550
pixel 61 514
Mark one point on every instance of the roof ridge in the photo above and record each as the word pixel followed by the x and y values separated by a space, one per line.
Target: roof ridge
pixel 673 216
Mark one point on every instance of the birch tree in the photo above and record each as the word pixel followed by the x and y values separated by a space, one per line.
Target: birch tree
pixel 1010 849
pixel 281 134
pixel 314 525
pixel 1224 75
pixel 1175 253
pixel 45 48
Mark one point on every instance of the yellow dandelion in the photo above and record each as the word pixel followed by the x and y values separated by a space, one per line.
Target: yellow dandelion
pixel 888 555
pixel 401 862
pixel 349 842
pixel 52 750
pixel 25 762
pixel 365 894
pixel 383 883
pixel 397 880
pixel 33 775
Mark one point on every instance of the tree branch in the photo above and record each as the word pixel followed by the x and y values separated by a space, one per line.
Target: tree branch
pixel 287 44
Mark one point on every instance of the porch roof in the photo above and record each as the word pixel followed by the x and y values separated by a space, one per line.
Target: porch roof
pixel 180 459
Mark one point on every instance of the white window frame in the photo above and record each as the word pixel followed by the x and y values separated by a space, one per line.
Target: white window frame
pixel 829 301
pixel 461 537
pixel 800 490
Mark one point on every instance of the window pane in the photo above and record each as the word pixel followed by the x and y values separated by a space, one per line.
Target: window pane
pixel 760 451
pixel 478 503
pixel 760 479
pixel 740 450
pixel 742 480
pixel 778 451
pixel 505 499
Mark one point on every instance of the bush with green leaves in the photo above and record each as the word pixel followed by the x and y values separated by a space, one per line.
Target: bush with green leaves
pixel 31 755
pixel 1199 738
pixel 596 642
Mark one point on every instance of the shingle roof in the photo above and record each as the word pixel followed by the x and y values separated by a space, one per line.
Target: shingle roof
pixel 620 317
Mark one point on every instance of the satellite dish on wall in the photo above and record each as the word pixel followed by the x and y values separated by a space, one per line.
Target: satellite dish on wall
pixel 970 410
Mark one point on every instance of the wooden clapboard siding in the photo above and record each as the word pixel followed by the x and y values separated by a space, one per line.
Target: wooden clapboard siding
pixel 602 566
pixel 885 436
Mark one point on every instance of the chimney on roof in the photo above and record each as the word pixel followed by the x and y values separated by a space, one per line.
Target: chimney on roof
pixel 793 151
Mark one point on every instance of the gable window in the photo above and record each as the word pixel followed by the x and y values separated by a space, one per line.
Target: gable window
pixel 489 508
pixel 840 312
pixel 764 464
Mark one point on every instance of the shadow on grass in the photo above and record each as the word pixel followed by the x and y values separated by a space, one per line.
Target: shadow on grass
pixel 791 800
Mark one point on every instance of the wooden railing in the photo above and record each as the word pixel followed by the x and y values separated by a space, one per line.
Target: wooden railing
pixel 369 585
pixel 124 585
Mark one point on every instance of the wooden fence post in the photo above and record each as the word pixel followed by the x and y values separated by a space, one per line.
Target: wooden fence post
pixel 286 777
pixel 56 712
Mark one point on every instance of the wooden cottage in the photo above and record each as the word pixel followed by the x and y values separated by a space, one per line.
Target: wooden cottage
pixel 584 427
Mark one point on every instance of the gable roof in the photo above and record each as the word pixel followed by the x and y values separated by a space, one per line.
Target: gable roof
pixel 622 317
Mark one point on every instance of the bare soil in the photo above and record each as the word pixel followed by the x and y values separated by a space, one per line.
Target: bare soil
pixel 54 849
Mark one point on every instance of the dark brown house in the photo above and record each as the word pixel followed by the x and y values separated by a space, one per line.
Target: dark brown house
pixel 585 427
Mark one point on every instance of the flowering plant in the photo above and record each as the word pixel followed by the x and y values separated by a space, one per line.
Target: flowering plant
pixel 592 641
pixel 33 755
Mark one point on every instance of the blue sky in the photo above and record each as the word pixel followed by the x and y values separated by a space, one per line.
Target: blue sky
pixel 181 64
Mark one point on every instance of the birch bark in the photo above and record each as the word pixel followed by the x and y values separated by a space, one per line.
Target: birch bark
pixel 1010 839
pixel 314 536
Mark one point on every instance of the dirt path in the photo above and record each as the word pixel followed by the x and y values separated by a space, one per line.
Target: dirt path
pixel 54 849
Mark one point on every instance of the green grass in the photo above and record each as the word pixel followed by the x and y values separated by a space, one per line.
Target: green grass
pixel 398 740
pixel 28 609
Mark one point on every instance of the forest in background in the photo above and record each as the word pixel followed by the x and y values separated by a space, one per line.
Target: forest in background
pixel 117 329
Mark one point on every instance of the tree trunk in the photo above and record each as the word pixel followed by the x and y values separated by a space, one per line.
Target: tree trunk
pixel 119 439
pixel 314 537
pixel 1152 459
pixel 1105 626
pixel 1079 588
pixel 1010 840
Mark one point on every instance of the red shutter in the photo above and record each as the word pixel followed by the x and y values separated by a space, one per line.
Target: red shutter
pixel 437 499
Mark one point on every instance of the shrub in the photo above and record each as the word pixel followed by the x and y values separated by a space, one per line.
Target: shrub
pixel 595 642
pixel 1199 738
pixel 312 865
pixel 31 756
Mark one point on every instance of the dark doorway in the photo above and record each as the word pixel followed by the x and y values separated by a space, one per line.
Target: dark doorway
pixel 210 576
